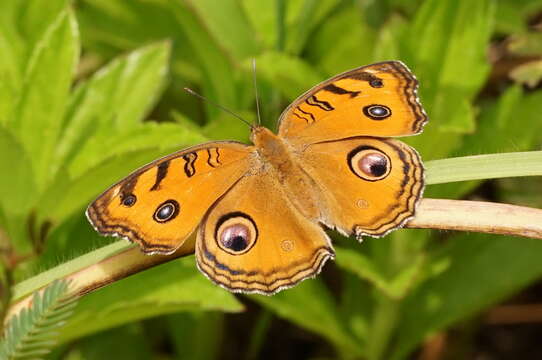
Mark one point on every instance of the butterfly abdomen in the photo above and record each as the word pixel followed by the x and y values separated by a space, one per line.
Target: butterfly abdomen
pixel 281 162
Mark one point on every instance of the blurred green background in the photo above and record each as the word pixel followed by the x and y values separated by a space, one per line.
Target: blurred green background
pixel 92 89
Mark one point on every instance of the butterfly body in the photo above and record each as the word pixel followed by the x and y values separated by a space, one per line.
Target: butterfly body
pixel 258 210
pixel 282 162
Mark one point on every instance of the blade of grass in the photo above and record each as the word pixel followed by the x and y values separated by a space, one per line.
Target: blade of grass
pixel 489 166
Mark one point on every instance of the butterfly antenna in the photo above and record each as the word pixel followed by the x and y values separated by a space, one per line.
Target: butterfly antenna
pixel 218 106
pixel 256 91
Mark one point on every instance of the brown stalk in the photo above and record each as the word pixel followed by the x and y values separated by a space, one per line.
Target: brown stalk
pixel 478 216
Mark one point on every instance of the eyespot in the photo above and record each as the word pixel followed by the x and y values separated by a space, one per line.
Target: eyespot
pixel 377 112
pixel 128 200
pixel 376 83
pixel 287 245
pixel 166 211
pixel 362 203
pixel 236 233
pixel 369 163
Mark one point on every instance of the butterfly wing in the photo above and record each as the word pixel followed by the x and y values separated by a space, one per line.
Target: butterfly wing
pixel 160 205
pixel 374 100
pixel 254 240
pixel 370 185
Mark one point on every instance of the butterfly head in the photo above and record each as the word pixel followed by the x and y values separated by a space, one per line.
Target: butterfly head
pixel 267 142
pixel 260 135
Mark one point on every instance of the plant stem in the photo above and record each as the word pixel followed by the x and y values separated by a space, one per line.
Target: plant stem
pixel 95 270
pixel 479 167
pixel 478 216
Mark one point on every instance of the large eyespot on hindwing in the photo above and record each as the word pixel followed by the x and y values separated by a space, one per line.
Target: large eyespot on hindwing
pixel 369 163
pixel 377 111
pixel 166 211
pixel 236 233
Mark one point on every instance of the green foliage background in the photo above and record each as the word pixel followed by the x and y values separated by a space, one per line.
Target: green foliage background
pixel 92 89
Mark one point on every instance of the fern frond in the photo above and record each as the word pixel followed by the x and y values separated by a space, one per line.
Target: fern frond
pixel 32 332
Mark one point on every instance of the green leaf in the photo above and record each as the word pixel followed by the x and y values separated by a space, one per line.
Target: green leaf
pixel 33 330
pixel 140 78
pixel 17 186
pixel 446 46
pixel 228 25
pixel 356 306
pixel 120 25
pixel 18 192
pixel 311 306
pixel 482 270
pixel 227 127
pixel 114 100
pixel 357 42
pixel 196 335
pixel 387 46
pixel 36 15
pixel 168 288
pixel 218 73
pixel 45 93
pixel 289 74
pixel 361 265
pixel 144 136
pixel 511 15
pixel 126 342
pixel 11 64
pixel 22 23
pixel 262 16
pixel 499 130
pixel 303 16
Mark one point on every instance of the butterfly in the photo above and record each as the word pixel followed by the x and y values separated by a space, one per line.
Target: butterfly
pixel 259 210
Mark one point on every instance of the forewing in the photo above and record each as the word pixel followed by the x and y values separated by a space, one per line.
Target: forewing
pixel 160 205
pixel 375 100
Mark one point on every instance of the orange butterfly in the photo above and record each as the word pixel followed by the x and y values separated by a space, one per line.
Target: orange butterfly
pixel 258 209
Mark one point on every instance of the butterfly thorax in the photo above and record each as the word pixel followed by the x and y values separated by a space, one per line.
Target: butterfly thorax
pixel 279 160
